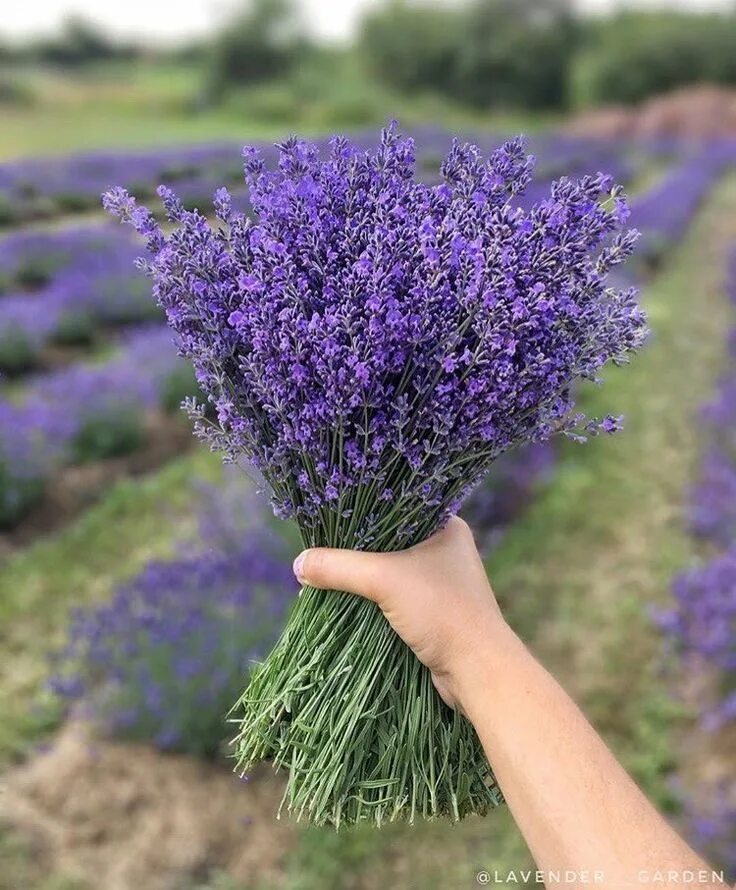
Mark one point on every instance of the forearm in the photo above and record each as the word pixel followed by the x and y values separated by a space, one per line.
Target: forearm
pixel 575 805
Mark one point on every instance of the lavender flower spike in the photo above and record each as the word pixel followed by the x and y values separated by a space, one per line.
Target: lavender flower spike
pixel 371 344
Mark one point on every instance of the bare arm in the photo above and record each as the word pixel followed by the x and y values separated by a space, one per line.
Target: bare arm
pixel 575 805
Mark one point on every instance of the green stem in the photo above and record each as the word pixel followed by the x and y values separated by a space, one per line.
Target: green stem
pixel 349 710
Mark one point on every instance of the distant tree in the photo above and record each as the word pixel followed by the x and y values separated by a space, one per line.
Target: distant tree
pixel 635 55
pixel 516 53
pixel 78 43
pixel 483 53
pixel 412 46
pixel 7 51
pixel 190 51
pixel 262 41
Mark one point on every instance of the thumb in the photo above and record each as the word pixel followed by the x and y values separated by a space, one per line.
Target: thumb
pixel 355 571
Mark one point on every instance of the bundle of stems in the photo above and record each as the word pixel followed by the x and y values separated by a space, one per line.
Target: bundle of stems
pixel 353 715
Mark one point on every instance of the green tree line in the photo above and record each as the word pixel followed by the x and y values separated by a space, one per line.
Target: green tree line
pixel 535 54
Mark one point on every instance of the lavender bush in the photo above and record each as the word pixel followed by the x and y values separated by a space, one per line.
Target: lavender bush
pixel 29 449
pixel 31 259
pixel 84 412
pixel 703 620
pixel 664 212
pixel 372 344
pixel 712 509
pixel 163 661
pixel 111 402
pixel 150 353
pixel 41 187
pixel 23 332
pixel 93 283
pixel 702 623
pixel 712 825
pixel 509 486
pixel 712 506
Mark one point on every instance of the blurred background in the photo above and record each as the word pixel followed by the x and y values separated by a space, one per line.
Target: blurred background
pixel 144 73
pixel 138 579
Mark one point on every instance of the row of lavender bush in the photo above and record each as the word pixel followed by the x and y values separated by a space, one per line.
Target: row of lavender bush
pixel 37 188
pixel 85 413
pixel 32 258
pixel 663 213
pixel 163 660
pixel 62 285
pixel 702 622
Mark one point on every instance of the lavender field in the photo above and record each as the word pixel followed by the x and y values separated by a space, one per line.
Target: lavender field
pixel 138 579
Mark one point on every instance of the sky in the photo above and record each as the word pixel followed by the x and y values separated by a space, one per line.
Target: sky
pixel 173 20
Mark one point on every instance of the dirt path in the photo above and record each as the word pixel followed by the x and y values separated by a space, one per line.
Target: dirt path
pixel 125 817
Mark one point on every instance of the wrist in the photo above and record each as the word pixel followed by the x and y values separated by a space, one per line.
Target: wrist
pixel 488 663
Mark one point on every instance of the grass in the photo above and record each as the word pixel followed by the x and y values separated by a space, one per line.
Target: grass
pixel 154 104
pixel 577 574
pixel 113 106
pixel 84 128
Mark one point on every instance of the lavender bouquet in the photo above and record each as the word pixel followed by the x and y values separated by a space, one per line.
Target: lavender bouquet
pixel 371 344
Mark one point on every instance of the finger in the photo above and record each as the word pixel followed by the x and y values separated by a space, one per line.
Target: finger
pixel 332 569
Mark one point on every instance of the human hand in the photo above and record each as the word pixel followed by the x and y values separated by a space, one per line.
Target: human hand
pixel 436 597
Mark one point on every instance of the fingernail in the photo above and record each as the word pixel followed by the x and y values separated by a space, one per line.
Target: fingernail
pixel 299 566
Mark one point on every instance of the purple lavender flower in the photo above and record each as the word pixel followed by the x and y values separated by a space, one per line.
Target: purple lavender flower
pixel 702 625
pixel 85 412
pixel 435 301
pixel 510 485
pixel 710 824
pixel 164 659
pixel 372 344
